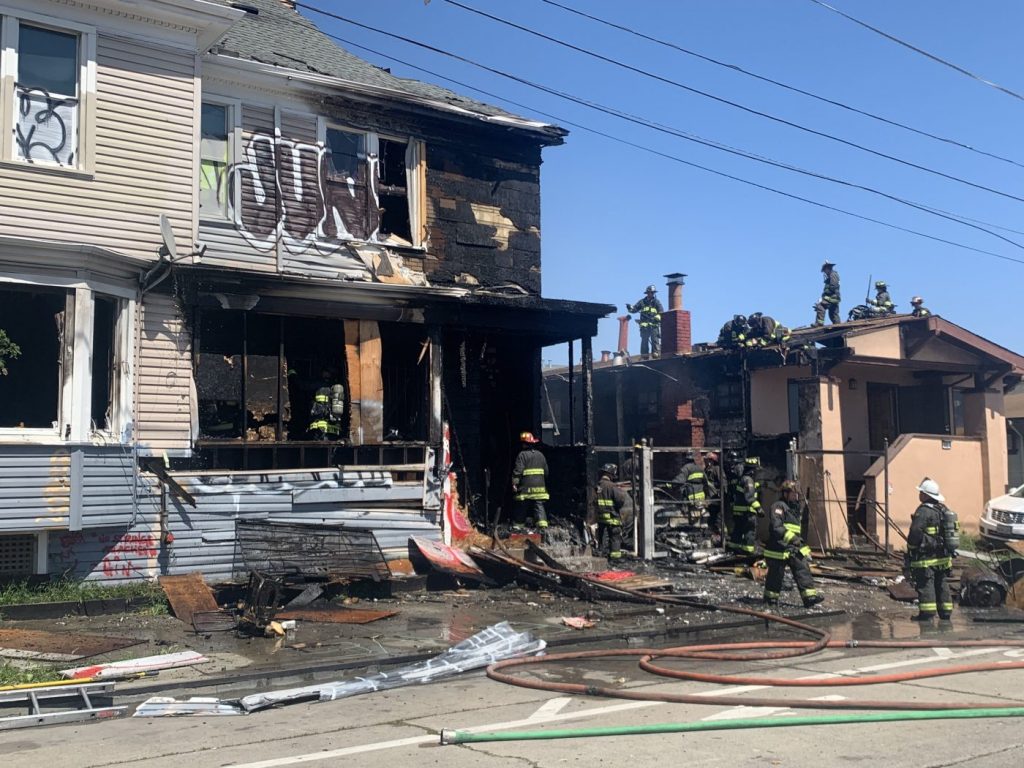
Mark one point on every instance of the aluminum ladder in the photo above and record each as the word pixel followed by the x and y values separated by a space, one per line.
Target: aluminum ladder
pixel 78 707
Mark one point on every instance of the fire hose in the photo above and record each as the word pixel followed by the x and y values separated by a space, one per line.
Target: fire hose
pixel 819 640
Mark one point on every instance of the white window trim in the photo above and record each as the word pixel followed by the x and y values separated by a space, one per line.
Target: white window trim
pixel 12 17
pixel 234 121
pixel 74 409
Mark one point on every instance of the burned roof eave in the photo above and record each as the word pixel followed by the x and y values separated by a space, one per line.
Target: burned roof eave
pixel 224 65
pixel 552 320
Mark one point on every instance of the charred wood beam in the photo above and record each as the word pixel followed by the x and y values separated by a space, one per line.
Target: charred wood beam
pixel 156 466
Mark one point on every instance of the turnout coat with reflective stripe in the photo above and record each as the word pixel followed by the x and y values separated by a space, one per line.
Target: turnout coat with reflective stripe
pixel 529 476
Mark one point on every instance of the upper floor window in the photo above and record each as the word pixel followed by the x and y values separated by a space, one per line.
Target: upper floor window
pixel 213 161
pixel 47 72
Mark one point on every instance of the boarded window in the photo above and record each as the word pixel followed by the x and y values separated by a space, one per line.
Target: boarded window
pixel 213 165
pixel 33 319
pixel 47 96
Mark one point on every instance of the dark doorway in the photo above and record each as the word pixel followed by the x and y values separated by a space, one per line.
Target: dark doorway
pixel 925 409
pixel 883 415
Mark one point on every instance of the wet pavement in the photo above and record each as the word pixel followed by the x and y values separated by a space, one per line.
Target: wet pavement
pixel 427 623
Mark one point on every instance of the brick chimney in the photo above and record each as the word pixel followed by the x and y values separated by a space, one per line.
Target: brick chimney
pixel 676 337
pixel 623 334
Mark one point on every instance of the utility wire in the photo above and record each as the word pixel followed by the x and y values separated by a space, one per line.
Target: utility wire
pixel 737 105
pixel 786 86
pixel 963 221
pixel 643 148
pixel 921 51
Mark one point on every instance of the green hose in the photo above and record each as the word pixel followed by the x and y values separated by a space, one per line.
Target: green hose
pixel 467 737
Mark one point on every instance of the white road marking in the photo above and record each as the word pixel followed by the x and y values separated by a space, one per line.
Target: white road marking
pixel 943 653
pixel 555 716
pixel 433 738
pixel 550 707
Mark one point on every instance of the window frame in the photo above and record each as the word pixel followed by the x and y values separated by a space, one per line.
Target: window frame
pixel 416 200
pixel 234 125
pixel 10 23
pixel 74 399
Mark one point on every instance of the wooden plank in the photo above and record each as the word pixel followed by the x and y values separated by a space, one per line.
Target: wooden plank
pixel 334 615
pixel 355 389
pixel 188 594
pixel 371 383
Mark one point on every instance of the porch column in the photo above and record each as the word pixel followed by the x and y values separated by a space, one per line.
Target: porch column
pixel 823 476
pixel 985 417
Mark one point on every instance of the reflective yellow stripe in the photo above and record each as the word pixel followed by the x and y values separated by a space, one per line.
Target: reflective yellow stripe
pixel 694 476
pixel 932 529
pixel 533 471
pixel 321 398
pixel 605 503
pixel 776 555
pixel 805 550
pixel 934 562
pixel 927 607
pixel 794 527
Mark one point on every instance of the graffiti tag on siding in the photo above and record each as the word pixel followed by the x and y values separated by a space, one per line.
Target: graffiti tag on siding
pixel 289 197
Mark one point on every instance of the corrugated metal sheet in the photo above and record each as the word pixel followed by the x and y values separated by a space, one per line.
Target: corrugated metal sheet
pixel 163 413
pixel 204 538
pixel 143 159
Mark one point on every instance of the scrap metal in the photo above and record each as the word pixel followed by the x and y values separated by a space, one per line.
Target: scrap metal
pixel 335 615
pixel 290 549
pixel 187 594
pixel 40 645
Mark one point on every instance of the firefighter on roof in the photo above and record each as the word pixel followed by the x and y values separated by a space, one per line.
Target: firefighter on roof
pixel 650 310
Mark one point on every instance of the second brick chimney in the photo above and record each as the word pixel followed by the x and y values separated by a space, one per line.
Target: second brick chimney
pixel 676 337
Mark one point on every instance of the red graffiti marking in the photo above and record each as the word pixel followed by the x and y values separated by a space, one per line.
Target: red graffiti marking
pixel 119 560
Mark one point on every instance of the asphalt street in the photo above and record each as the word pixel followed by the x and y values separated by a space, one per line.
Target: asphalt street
pixel 401 727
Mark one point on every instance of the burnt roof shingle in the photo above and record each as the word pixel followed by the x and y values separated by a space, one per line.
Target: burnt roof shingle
pixel 278 35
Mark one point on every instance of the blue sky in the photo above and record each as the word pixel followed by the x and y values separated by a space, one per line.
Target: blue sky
pixel 616 218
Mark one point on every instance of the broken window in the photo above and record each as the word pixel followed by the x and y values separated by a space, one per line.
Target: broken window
pixel 33 318
pixel 345 171
pixel 46 96
pixel 393 191
pixel 213 162
pixel 104 372
pixel 729 398
pixel 258 375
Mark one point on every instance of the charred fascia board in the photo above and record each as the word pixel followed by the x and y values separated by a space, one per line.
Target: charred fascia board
pixel 223 66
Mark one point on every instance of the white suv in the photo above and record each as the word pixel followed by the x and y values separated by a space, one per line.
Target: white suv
pixel 1004 516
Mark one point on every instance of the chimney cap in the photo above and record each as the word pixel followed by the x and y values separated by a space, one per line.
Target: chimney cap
pixel 676 278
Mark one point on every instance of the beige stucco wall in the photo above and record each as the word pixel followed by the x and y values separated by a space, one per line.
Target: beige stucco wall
pixel 913 457
pixel 885 342
pixel 769 398
pixel 984 417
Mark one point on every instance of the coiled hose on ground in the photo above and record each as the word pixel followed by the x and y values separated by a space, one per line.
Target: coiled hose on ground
pixel 750 651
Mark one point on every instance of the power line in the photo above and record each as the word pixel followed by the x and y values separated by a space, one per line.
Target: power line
pixel 921 51
pixel 778 83
pixel 658 153
pixel 962 220
pixel 720 99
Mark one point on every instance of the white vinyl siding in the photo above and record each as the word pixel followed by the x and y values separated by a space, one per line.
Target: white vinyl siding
pixel 163 413
pixel 142 156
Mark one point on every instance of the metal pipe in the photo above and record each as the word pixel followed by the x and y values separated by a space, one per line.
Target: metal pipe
pixel 885 479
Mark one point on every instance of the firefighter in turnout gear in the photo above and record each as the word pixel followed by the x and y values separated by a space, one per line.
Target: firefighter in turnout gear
pixel 931 547
pixel 744 493
pixel 829 296
pixel 920 310
pixel 734 333
pixel 610 501
pixel 785 547
pixel 882 303
pixel 693 484
pixel 327 409
pixel 650 310
pixel 529 481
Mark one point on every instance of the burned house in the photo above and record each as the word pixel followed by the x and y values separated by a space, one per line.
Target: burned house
pixel 246 275
pixel 859 412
